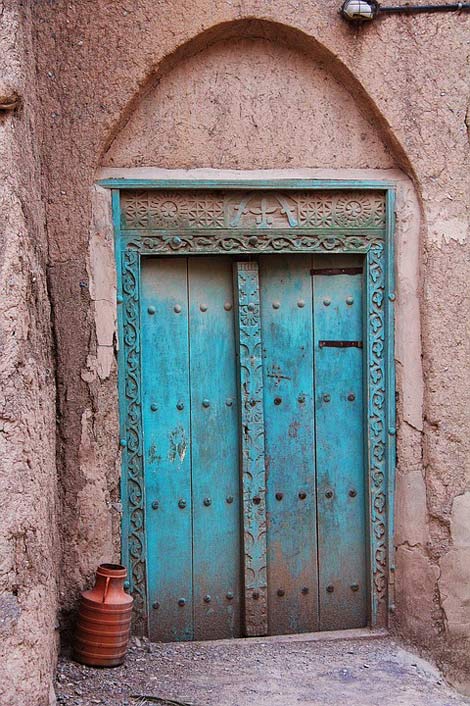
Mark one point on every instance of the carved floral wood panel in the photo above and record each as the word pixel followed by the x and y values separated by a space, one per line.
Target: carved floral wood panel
pixel 252 449
pixel 258 210
pixel 207 222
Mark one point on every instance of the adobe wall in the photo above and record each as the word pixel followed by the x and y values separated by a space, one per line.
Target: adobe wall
pixel 28 490
pixel 196 85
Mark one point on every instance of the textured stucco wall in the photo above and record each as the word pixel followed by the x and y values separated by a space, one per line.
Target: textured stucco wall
pixel 28 492
pixel 184 85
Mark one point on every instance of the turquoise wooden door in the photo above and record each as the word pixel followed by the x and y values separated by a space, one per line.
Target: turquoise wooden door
pixel 253 433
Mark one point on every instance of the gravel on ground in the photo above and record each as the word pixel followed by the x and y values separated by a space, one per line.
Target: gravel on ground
pixel 345 672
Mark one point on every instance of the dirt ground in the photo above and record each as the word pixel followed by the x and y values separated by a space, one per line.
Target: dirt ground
pixel 276 672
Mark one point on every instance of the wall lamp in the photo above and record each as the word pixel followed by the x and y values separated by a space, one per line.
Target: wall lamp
pixel 365 10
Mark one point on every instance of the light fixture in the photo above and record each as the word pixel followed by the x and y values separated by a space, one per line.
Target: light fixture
pixel 359 10
pixel 366 10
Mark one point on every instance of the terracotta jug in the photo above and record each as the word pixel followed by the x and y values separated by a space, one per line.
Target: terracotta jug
pixel 104 619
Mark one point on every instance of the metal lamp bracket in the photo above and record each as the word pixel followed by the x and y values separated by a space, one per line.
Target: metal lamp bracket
pixel 367 10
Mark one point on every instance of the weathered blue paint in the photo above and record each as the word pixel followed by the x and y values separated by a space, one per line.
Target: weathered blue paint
pixel 341 470
pixel 287 324
pixel 214 449
pixel 242 184
pixel 167 448
pixel 253 473
pixel 191 448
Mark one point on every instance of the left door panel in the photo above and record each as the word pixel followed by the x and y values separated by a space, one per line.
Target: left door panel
pixel 191 448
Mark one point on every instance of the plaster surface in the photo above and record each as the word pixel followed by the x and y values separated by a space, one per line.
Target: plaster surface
pixel 28 490
pixel 225 105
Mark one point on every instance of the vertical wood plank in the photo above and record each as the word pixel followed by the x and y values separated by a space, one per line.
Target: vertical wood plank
pixel 287 325
pixel 341 467
pixel 214 450
pixel 167 452
pixel 246 279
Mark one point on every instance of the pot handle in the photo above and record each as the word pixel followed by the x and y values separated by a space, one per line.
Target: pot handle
pixel 108 579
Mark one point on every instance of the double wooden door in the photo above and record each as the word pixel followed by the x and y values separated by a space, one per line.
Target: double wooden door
pixel 197 440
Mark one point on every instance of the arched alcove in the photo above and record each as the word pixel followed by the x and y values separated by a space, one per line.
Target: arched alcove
pixel 251 102
pixel 253 99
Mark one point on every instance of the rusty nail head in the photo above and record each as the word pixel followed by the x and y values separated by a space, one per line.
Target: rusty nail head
pixel 153 407
pixel 301 398
pixel 155 505
pixel 353 493
pixel 156 605
pixel 281 592
pixel 206 403
pixel 351 397
pixel 207 599
pixel 151 310
pixel 354 587
pixel 277 400
pixel 228 306
pixel 229 595
pixel 279 496
pixel 329 494
pixel 305 590
pixel 255 595
pixel 177 309
pixel 207 502
pixel 302 495
pixel 182 602
pixel 182 504
pixel 326 398
pixel 203 307
pixel 230 499
pixel 256 500
pixel 179 405
pixel 330 588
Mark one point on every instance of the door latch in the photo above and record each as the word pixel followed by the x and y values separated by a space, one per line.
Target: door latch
pixel 340 344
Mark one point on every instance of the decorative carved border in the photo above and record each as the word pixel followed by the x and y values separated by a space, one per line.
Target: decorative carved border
pixel 233 224
pixel 376 436
pixel 132 442
pixel 252 449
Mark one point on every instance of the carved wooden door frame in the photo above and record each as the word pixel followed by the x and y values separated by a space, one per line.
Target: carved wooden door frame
pixel 194 217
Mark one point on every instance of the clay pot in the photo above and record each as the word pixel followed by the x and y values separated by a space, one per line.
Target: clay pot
pixel 104 619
